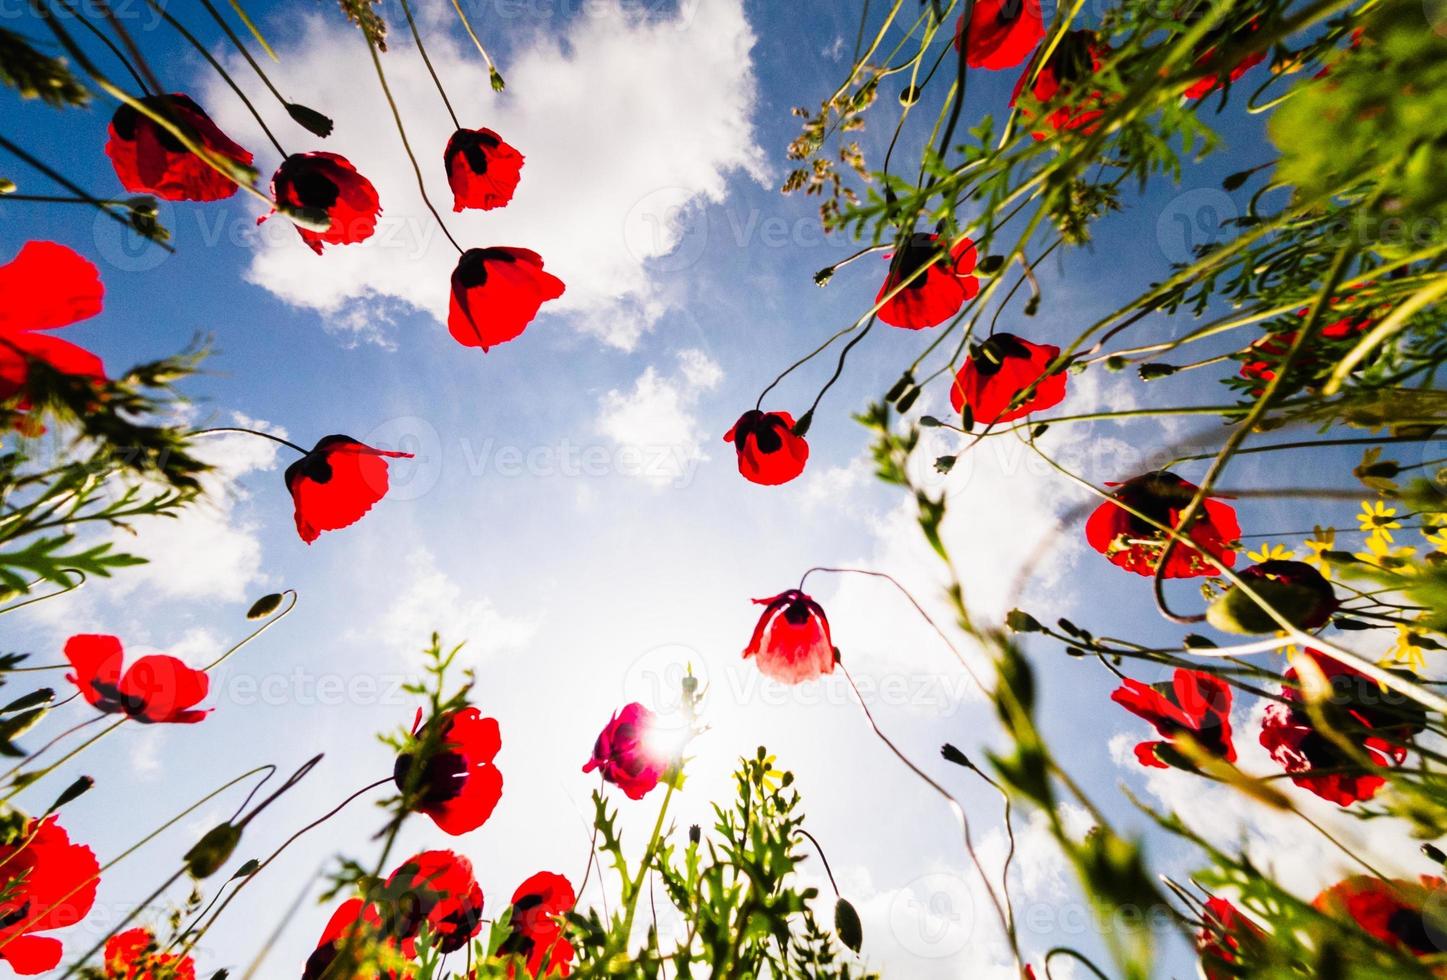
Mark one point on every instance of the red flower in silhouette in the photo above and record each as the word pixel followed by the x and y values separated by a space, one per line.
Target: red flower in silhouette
pixel 1408 915
pixel 482 170
pixel 336 483
pixel 135 955
pixel 1223 76
pixel 933 296
pixel 326 182
pixel 1002 33
pixel 1378 721
pixel 44 287
pixel 537 929
pixel 496 292
pixel 149 160
pixel 1136 545
pixel 1001 368
pixel 1064 81
pixel 769 452
pixel 623 753
pixel 355 926
pixel 459 786
pixel 47 883
pixel 1264 357
pixel 155 690
pixel 1226 940
pixel 435 887
pixel 1194 703
pixel 791 642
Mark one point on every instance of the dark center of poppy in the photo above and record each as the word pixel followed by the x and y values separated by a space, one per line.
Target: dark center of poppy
pixel 440 781
pixel 15 917
pixel 796 612
pixel 111 699
pixel 316 467
pixel 1409 928
pixel 458 927
pixel 521 941
pixel 314 189
pixel 920 252
pixel 472 267
pixel 1010 11
pixel 124 122
pixel 320 961
pixel 1073 60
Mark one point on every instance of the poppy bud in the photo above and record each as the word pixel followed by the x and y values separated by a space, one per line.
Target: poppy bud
pixel 905 382
pixel 944 464
pixel 952 754
pixel 1233 181
pixel 907 402
pixel 1020 621
pixel 212 850
pixel 847 925
pixel 309 119
pixel 929 422
pixel 1292 588
pixel 822 277
pixel 1433 853
pixel 910 95
pixel 695 834
pixel 264 606
pixel 1115 363
pixel 7 186
pixel 1150 372
pixel 76 789
pixel 17 725
pixel 801 427
pixel 32 700
pixel 495 77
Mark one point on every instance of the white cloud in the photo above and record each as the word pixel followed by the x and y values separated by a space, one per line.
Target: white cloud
pixel 658 438
pixel 433 601
pixel 627 122
pixel 209 551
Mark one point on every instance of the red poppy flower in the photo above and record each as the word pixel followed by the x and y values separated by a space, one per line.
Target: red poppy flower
pixel 537 929
pixel 1226 940
pixel 1135 544
pixel 623 753
pixel 154 690
pixel 354 925
pixel 327 182
pixel 482 170
pixel 1408 915
pixel 1378 721
pixel 1000 369
pixel 149 160
pixel 1263 358
pixel 769 452
pixel 459 787
pixel 496 292
pixel 1204 86
pixel 1065 79
pixel 435 887
pixel 44 287
pixel 791 642
pixel 1195 702
pixel 46 883
pixel 935 295
pixel 336 483
pixel 1002 33
pixel 134 955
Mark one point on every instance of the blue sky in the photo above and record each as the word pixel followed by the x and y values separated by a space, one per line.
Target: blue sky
pixel 572 510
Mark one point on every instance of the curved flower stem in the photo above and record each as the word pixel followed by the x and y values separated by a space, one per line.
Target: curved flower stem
pixel 406 145
pixel 954 805
pixel 42 598
pixel 637 884
pixel 140 906
pixel 236 43
pixel 49 745
pixel 100 35
pixel 592 856
pixel 944 637
pixel 467 24
pixel 417 37
pixel 270 622
pixel 250 432
pixel 216 66
pixel 37 776
pixel 825 858
pixel 1244 429
pixel 193 935
pixel 1077 956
